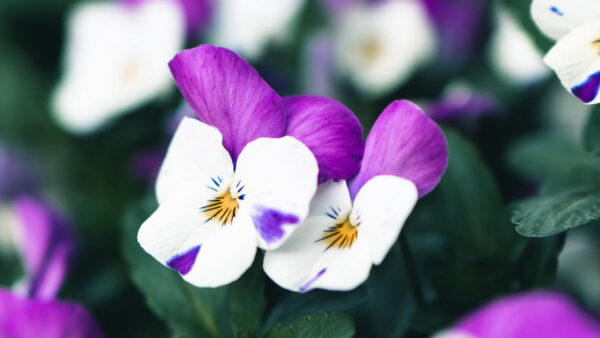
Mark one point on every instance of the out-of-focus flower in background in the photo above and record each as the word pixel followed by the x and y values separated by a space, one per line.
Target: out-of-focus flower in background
pixel 198 14
pixel 115 60
pixel 378 46
pixel 574 57
pixel 249 27
pixel 461 102
pixel 353 225
pixel 16 176
pixel 45 242
pixel 513 54
pixel 526 315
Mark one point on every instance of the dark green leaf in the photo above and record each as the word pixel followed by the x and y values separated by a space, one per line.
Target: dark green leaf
pixel 562 204
pixel 188 310
pixel 247 302
pixel 318 325
pixel 546 156
pixel 591 133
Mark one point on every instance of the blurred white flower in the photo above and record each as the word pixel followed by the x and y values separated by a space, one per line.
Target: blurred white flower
pixel 115 60
pixel 379 46
pixel 513 54
pixel 249 26
pixel 9 230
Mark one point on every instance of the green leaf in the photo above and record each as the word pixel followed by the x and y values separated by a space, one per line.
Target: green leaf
pixel 591 133
pixel 247 301
pixel 188 310
pixel 296 305
pixel 318 325
pixel 562 204
pixel 547 156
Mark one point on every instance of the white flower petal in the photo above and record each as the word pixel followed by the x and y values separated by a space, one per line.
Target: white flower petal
pixel 555 18
pixel 382 206
pixel 261 21
pixel 332 199
pixel 115 60
pixel 279 178
pixel 196 157
pixel 379 46
pixel 575 59
pixel 225 254
pixel 302 263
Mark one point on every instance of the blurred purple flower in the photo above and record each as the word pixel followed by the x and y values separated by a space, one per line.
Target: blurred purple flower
pixel 461 26
pixel 145 166
pixel 26 318
pixel 47 247
pixel 198 13
pixel 318 66
pixel 527 315
pixel 462 102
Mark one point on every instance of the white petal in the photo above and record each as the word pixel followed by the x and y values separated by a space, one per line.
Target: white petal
pixel 196 157
pixel 575 59
pixel 207 254
pixel 453 333
pixel 115 60
pixel 514 55
pixel 382 206
pixel 225 254
pixel 302 264
pixel 279 179
pixel 555 18
pixel 262 21
pixel 332 199
pixel 379 46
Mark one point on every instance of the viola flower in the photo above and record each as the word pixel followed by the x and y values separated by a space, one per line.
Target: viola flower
pixel 380 45
pixel 534 314
pixel 115 60
pixel 229 182
pixel 262 22
pixel 352 225
pixel 46 244
pixel 513 54
pixel 575 25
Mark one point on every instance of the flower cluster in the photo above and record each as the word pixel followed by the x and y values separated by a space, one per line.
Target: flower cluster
pixel 255 170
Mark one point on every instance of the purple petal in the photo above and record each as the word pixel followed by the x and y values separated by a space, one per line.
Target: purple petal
pixel 330 131
pixel 226 92
pixel 184 262
pixel 461 25
pixel 463 103
pixel 47 247
pixel 536 314
pixel 588 90
pixel 318 66
pixel 269 223
pixel 404 142
pixel 25 318
pixel 198 13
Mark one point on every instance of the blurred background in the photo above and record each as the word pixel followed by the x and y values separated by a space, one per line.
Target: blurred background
pixel 88 106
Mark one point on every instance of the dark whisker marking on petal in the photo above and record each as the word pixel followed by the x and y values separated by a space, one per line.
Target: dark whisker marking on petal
pixel 209 187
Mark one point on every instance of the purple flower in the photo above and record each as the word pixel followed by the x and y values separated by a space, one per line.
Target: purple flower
pixel 47 248
pixel 460 102
pixel 198 13
pixel 527 315
pixel 16 175
pixel 230 181
pixel 353 225
pixel 26 317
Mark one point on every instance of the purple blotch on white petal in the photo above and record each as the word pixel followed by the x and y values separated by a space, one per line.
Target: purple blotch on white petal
pixel 588 90
pixel 269 223
pixel 184 262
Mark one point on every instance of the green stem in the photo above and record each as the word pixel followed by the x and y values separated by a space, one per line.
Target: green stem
pixel 411 270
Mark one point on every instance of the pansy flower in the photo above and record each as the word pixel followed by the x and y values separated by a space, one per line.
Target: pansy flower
pixel 231 181
pixel 575 24
pixel 353 224
pixel 378 46
pixel 115 60
pixel 533 314
pixel 42 237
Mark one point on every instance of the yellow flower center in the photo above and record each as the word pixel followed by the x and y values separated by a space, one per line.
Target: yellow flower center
pixel 341 235
pixel 222 209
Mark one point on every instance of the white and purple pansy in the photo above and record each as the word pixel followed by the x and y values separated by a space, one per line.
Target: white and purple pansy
pixel 575 57
pixel 352 225
pixel 233 180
